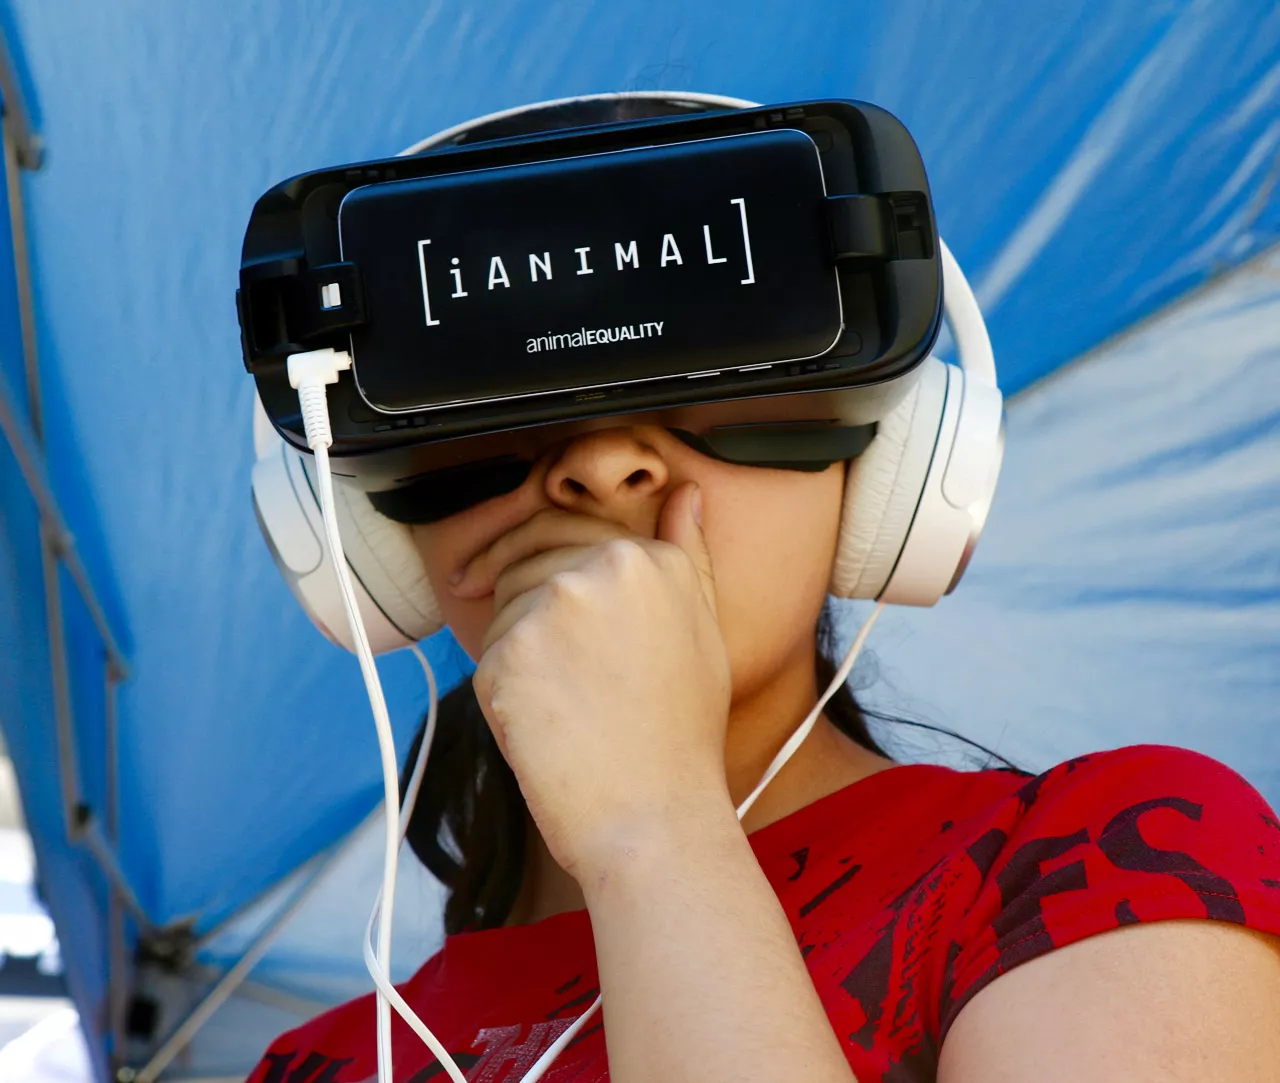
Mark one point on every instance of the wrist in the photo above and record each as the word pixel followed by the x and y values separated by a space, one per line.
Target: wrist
pixel 657 840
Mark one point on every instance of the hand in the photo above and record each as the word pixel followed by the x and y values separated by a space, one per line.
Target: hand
pixel 604 676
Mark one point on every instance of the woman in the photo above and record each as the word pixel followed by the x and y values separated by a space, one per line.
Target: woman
pixel 647 627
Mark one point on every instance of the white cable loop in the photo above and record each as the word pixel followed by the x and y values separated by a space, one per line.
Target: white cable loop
pixel 376 971
pixel 386 742
pixel 312 373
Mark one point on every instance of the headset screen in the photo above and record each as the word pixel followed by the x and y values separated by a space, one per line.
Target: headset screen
pixel 663 263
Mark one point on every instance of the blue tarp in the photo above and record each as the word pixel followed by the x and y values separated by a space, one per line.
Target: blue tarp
pixel 1090 164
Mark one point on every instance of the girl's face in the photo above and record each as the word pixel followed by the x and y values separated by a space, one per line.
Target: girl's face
pixel 771 534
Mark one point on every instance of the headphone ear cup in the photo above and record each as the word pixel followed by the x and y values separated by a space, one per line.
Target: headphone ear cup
pixel 956 495
pixel 883 486
pixel 385 558
pixel 391 587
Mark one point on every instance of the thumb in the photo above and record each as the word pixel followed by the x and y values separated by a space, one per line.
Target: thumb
pixel 680 524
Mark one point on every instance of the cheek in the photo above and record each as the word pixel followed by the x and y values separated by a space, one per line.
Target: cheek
pixel 444 550
pixel 446 547
pixel 773 545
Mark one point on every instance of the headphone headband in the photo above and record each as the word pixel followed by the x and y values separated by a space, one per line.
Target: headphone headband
pixel 454 135
pixel 968 328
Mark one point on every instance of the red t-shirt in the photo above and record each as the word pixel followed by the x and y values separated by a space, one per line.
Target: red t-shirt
pixel 908 891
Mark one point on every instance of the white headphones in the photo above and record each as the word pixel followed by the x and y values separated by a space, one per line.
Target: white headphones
pixel 915 500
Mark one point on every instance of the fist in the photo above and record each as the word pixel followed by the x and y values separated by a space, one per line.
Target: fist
pixel 603 675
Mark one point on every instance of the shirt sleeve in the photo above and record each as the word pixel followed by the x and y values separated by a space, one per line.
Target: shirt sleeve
pixel 1148 833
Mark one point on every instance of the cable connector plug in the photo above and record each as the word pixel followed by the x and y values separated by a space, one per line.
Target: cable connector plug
pixel 309 374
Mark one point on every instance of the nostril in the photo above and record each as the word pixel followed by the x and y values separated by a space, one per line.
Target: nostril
pixel 575 487
pixel 637 477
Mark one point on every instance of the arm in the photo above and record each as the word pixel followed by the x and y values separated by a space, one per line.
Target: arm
pixel 1169 1001
pixel 699 968
pixel 606 683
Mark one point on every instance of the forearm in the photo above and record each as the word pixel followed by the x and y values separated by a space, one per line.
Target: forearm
pixel 700 973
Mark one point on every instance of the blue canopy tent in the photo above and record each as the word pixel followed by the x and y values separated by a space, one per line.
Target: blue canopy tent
pixel 191 752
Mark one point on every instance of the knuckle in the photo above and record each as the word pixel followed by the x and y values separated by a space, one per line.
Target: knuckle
pixel 497 704
pixel 566 587
pixel 624 554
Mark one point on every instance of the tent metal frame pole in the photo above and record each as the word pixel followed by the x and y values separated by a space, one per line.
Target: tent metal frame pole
pixel 64 724
pixel 117 963
pixel 24 432
pixel 21 266
pixel 58 551
pixel 301 1006
pixel 302 871
pixel 89 834
pixel 181 1036
pixel 60 541
pixel 27 144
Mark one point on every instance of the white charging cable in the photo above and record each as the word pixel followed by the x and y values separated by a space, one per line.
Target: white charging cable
pixel 540 1066
pixel 376 970
pixel 806 727
pixel 309 374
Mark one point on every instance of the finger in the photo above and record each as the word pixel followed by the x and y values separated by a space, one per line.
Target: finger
pixel 508 616
pixel 484 682
pixel 532 572
pixel 550 528
pixel 681 524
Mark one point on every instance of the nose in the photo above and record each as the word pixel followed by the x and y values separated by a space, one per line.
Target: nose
pixel 616 473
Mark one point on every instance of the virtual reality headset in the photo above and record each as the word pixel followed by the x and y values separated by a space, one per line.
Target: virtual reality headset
pixel 767 282
pixel 669 266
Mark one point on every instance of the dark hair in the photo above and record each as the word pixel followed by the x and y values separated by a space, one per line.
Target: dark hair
pixel 469 825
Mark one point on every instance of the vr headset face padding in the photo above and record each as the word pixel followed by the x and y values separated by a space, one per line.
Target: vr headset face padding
pixel 882 493
pixel 884 489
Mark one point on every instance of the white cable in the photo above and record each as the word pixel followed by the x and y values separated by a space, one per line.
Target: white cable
pixel 309 374
pixel 428 736
pixel 380 977
pixel 806 727
pixel 379 974
pixel 544 1062
pixel 784 754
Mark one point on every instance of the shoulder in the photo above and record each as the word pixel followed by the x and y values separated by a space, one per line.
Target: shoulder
pixel 1150 769
pixel 1139 834
pixel 1127 800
